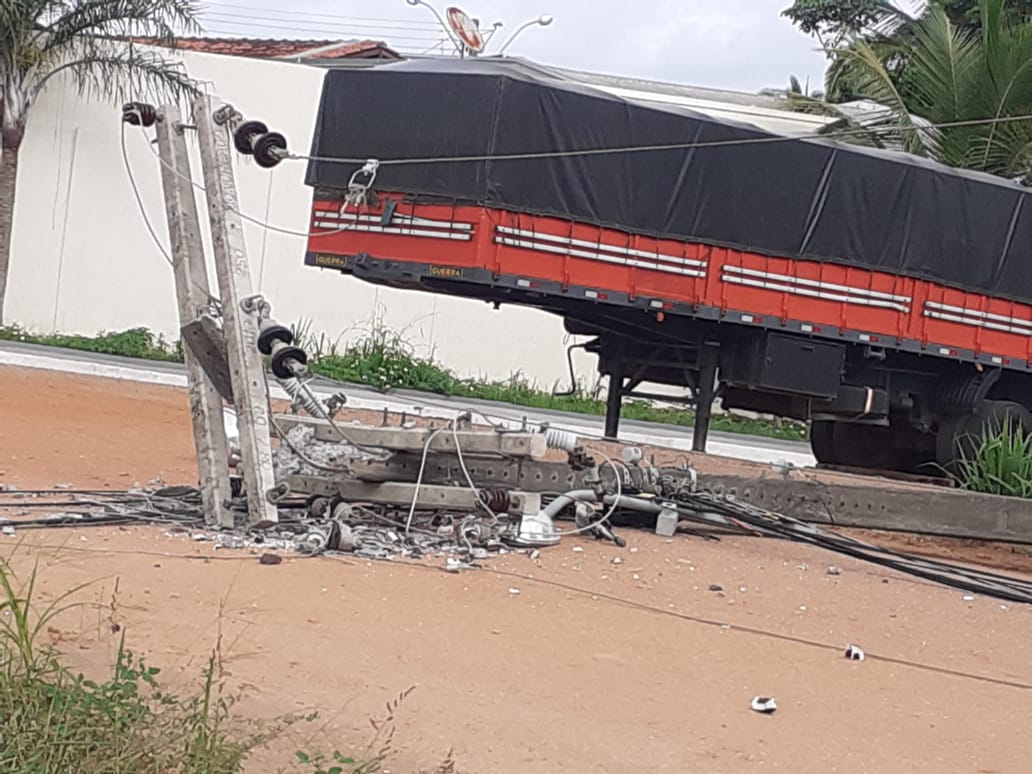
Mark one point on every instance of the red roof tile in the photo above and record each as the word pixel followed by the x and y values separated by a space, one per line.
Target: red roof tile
pixel 263 48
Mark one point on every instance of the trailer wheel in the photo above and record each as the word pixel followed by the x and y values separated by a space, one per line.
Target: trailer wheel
pixel 958 438
pixel 822 441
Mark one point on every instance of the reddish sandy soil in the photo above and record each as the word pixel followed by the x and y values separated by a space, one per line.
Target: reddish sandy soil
pixel 591 667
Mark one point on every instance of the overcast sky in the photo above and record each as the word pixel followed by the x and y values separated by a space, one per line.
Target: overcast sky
pixel 738 44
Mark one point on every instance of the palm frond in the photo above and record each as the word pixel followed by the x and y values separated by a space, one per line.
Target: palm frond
pixel 90 42
pixel 162 20
pixel 118 71
pixel 878 85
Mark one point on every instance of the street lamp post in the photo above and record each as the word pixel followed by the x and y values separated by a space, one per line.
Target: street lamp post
pixel 541 21
pixel 447 31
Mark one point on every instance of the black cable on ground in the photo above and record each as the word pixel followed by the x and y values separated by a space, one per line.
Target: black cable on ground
pixel 770 524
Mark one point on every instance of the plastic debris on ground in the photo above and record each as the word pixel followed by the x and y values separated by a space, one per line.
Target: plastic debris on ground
pixel 764 705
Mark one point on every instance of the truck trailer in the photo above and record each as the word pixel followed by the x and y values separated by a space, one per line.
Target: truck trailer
pixel 884 298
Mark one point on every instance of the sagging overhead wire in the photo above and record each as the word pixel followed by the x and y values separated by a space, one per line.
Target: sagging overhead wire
pixel 134 114
pixel 200 187
pixel 765 140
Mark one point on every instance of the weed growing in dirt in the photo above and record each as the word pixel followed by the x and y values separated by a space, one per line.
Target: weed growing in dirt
pixel 376 753
pixel 57 722
pixel 999 463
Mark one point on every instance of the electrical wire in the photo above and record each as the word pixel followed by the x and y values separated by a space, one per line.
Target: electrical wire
pixel 250 218
pixel 140 204
pixel 335 16
pixel 612 509
pixel 751 630
pixel 419 476
pixel 469 479
pixel 206 292
pixel 378 451
pixel 765 140
pixel 321 27
pixel 709 509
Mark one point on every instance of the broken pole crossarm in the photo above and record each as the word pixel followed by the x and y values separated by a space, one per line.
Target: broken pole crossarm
pixel 193 296
pixel 250 390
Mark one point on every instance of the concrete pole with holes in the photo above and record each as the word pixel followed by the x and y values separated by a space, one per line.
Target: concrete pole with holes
pixel 240 319
pixel 193 296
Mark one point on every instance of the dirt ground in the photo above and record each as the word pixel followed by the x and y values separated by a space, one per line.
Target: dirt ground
pixel 566 663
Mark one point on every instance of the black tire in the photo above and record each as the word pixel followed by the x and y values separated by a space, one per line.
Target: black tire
pixel 958 438
pixel 867 446
pixel 821 441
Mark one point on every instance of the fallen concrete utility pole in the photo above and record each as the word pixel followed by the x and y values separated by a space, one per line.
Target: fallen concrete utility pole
pixel 194 300
pixel 240 310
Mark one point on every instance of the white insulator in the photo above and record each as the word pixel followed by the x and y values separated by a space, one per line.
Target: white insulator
pixel 301 397
pixel 560 439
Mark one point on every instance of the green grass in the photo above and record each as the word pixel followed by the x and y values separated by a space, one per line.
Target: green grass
pixel 135 342
pixel 383 359
pixel 999 462
pixel 55 721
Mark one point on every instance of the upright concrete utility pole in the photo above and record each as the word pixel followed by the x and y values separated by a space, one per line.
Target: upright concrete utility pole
pixel 239 313
pixel 193 295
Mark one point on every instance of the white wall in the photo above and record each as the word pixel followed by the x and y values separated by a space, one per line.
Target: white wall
pixel 83 261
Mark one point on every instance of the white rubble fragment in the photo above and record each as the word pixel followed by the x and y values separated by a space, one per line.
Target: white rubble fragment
pixel 764 704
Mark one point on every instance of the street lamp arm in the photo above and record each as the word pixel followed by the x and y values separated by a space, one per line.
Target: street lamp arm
pixel 542 21
pixel 447 30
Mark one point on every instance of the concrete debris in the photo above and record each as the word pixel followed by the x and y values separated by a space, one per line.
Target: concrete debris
pixel 763 704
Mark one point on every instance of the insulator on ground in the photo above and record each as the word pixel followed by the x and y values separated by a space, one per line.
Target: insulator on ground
pixel 560 439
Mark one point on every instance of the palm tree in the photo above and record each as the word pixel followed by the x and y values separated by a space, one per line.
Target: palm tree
pixel 959 95
pixel 88 42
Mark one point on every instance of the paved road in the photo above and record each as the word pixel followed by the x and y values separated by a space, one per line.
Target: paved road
pixel 113 367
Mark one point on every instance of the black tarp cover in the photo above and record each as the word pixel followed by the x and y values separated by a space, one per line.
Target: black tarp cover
pixel 806 198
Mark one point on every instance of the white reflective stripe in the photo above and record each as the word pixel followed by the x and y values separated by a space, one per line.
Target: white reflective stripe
pixel 962 311
pixel 994 326
pixel 343 228
pixel 559 250
pixel 801 291
pixel 538 236
pixel 407 220
pixel 787 278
